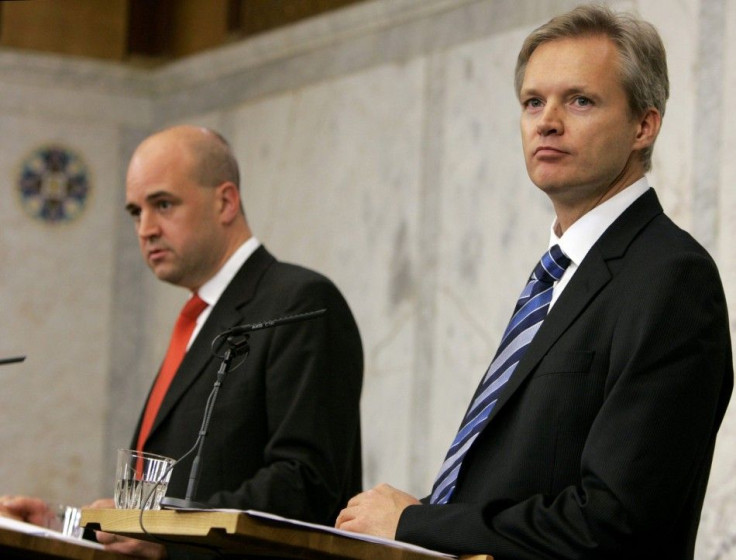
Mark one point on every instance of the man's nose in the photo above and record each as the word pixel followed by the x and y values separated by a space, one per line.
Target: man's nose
pixel 147 225
pixel 550 121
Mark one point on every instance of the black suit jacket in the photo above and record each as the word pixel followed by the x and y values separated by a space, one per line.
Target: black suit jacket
pixel 285 431
pixel 601 445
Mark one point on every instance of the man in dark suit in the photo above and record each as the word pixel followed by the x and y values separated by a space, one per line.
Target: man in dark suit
pixel 284 434
pixel 285 431
pixel 592 433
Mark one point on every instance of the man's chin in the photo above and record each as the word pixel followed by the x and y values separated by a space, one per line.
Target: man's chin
pixel 165 274
pixel 548 187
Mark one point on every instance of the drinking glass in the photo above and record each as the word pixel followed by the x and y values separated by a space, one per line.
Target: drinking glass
pixel 141 479
pixel 66 520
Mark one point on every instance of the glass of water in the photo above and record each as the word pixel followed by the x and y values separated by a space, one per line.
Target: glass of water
pixel 141 479
pixel 65 520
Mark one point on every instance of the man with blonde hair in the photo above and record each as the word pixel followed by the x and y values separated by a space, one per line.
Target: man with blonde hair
pixel 591 434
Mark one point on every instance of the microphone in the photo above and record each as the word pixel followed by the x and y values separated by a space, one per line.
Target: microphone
pixel 16 359
pixel 237 340
pixel 242 329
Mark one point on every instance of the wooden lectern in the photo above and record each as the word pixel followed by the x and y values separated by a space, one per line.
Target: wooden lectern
pixel 239 534
pixel 15 545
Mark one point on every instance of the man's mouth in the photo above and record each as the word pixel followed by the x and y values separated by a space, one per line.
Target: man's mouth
pixel 548 150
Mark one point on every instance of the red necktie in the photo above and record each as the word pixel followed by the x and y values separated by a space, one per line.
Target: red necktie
pixel 174 355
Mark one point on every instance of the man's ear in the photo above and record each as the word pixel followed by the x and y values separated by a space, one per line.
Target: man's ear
pixel 228 200
pixel 649 124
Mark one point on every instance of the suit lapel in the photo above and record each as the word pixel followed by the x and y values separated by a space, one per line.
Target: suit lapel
pixel 591 277
pixel 227 312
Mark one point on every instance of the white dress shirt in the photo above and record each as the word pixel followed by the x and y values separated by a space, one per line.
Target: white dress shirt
pixel 583 234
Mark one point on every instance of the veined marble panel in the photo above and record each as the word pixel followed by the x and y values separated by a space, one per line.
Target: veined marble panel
pixel 717 536
pixel 55 296
pixel 330 175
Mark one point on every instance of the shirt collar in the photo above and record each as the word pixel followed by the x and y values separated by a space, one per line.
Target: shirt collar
pixel 583 234
pixel 211 290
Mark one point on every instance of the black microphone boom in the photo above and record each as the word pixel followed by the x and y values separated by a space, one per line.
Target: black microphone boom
pixel 16 359
pixel 242 329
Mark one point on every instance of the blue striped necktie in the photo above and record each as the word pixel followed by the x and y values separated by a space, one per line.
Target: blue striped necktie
pixel 529 313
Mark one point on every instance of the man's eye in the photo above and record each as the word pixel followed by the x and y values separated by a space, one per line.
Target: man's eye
pixel 533 103
pixel 163 204
pixel 581 101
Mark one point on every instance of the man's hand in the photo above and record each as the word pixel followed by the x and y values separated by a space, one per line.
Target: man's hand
pixel 375 512
pixel 104 503
pixel 131 547
pixel 30 510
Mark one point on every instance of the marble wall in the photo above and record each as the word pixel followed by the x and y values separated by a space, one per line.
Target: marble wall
pixel 379 145
pixel 57 279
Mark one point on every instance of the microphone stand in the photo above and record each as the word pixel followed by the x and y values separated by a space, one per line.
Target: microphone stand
pixel 236 345
pixel 237 341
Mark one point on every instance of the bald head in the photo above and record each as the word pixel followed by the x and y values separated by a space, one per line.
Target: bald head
pixel 210 156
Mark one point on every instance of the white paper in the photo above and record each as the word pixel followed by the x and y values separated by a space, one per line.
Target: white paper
pixel 357 536
pixel 38 531
pixel 327 529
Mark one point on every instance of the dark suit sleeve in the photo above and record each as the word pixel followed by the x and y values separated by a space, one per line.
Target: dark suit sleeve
pixel 646 458
pixel 312 375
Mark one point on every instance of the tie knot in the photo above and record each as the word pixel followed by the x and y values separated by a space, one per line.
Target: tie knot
pixel 193 307
pixel 552 265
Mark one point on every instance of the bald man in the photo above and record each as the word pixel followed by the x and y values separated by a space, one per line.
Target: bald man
pixel 285 431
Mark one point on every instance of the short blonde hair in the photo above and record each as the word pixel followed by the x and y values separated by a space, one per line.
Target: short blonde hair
pixel 643 58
